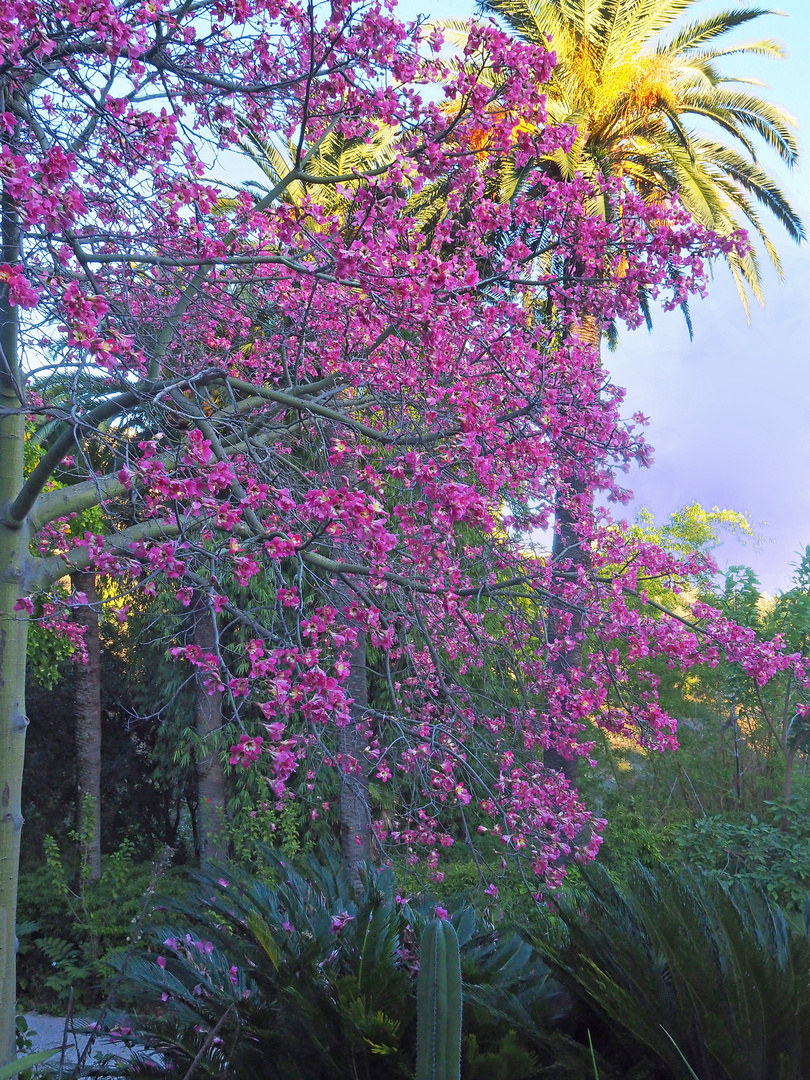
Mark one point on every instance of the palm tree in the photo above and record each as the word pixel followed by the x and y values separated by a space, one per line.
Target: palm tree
pixel 634 82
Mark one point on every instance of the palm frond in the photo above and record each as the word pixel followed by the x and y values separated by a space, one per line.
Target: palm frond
pixel 701 31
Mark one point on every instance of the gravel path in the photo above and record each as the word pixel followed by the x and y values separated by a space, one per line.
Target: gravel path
pixel 48 1031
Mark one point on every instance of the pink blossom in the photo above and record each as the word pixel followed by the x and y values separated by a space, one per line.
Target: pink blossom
pixel 246 751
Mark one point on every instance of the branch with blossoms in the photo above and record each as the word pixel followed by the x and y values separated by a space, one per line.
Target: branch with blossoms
pixel 335 423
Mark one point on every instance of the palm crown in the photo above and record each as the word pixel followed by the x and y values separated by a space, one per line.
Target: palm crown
pixel 634 83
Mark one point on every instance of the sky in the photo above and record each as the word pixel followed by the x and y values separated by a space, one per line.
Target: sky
pixel 730 410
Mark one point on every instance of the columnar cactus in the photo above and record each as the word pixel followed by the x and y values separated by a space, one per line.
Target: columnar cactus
pixel 438 998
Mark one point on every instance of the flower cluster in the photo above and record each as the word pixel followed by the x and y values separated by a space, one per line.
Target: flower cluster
pixel 336 413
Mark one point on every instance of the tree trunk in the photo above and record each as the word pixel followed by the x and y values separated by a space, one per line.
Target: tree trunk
pixel 355 800
pixel 87 698
pixel 355 803
pixel 212 788
pixel 566 546
pixel 15 569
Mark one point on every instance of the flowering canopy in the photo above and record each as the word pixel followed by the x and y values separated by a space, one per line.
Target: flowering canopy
pixel 362 408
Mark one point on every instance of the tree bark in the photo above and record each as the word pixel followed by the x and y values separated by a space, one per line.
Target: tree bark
pixel 212 788
pixel 87 698
pixel 565 546
pixel 355 800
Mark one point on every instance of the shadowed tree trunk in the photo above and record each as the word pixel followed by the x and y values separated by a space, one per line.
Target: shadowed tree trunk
pixel 355 806
pixel 565 547
pixel 212 789
pixel 355 801
pixel 87 704
pixel 568 548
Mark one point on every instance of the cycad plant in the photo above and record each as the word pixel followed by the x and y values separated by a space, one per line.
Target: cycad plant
pixel 713 981
pixel 295 975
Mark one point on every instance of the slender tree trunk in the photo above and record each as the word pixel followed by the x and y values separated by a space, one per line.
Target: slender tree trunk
pixel 736 732
pixel 13 722
pixel 355 803
pixel 355 800
pixel 787 790
pixel 87 698
pixel 15 570
pixel 212 788
pixel 567 547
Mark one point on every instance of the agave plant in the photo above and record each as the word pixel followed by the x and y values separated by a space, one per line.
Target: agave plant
pixel 296 976
pixel 714 982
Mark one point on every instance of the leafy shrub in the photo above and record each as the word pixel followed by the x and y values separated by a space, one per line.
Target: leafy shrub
pixel 69 927
pixel 756 850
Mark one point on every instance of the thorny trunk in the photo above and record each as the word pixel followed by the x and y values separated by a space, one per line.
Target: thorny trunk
pixel 87 703
pixel 212 790
pixel 355 808
pixel 566 546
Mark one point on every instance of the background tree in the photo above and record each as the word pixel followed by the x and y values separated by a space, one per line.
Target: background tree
pixel 87 702
pixel 631 92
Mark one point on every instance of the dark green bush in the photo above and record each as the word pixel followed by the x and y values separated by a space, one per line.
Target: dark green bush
pixel 69 927
pixel 771 851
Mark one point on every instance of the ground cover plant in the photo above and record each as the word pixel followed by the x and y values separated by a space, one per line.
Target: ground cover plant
pixel 325 419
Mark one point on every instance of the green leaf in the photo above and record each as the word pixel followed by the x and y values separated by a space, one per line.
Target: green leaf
pixel 264 936
pixel 14 1068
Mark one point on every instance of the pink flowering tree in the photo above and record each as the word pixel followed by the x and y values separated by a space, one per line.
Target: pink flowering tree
pixel 332 427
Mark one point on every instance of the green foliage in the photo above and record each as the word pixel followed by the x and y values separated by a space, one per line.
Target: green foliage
pixel 690 530
pixel 438 1003
pixel 69 927
pixel 631 836
pixel 301 979
pixel 760 851
pixel 252 827
pixel 25 1064
pixel 510 1060
pixel 705 980
pixel 47 654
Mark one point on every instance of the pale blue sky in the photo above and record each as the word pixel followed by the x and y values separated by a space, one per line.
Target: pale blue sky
pixel 730 411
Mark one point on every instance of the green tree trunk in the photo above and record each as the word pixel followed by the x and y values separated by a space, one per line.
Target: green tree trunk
pixel 355 798
pixel 566 545
pixel 15 567
pixel 355 802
